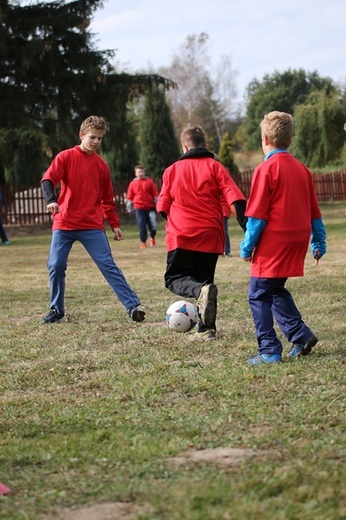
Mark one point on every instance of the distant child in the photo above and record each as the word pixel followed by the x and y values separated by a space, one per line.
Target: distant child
pixel 4 239
pixel 86 199
pixel 190 199
pixel 283 214
pixel 226 213
pixel 141 197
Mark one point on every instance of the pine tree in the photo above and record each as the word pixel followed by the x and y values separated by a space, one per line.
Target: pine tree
pixel 51 78
pixel 227 156
pixel 159 145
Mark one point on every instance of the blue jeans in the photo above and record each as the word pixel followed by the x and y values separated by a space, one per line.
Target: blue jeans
pixel 269 299
pixel 227 248
pixel 146 218
pixel 96 243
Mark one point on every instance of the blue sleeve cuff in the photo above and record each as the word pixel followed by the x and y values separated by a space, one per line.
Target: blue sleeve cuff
pixel 318 237
pixel 254 228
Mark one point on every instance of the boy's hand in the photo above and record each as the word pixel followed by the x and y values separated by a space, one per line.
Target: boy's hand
pixel 118 234
pixel 317 256
pixel 248 259
pixel 53 208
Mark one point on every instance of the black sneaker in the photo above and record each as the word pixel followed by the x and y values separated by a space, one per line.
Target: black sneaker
pixel 137 314
pixel 53 317
pixel 206 304
pixel 302 349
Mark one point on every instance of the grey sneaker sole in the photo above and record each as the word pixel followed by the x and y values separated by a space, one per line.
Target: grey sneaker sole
pixel 206 304
pixel 208 335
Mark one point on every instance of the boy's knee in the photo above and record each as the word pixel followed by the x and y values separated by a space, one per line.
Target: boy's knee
pixel 56 267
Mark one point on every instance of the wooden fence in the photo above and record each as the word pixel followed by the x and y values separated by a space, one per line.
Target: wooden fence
pixel 22 206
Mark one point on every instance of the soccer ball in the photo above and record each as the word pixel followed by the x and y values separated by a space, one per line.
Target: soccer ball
pixel 181 316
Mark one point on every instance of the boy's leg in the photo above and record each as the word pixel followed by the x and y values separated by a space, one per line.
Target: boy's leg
pixel 152 223
pixel 60 248
pixel 96 243
pixel 141 220
pixel 288 316
pixel 260 299
pixel 181 276
pixel 187 272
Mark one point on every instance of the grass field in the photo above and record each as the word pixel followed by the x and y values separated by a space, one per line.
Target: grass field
pixel 102 418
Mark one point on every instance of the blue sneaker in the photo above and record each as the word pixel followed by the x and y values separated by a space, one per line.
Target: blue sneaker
pixel 258 359
pixel 302 349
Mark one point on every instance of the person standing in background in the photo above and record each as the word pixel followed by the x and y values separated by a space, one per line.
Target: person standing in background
pixel 141 198
pixel 226 213
pixel 4 239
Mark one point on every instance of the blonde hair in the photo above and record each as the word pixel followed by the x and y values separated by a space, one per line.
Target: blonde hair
pixel 93 122
pixel 278 128
pixel 193 137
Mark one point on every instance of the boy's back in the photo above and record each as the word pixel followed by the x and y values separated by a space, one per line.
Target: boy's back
pixel 290 204
pixel 283 195
pixel 191 194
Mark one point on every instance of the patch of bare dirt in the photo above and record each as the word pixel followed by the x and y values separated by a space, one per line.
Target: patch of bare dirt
pixel 219 456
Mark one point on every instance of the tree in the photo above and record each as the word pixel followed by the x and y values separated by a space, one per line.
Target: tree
pixel 206 91
pixel 227 156
pixel 159 146
pixel 51 78
pixel 279 91
pixel 318 137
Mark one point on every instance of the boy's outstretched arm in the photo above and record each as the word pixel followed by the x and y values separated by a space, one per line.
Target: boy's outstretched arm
pixel 254 228
pixel 318 239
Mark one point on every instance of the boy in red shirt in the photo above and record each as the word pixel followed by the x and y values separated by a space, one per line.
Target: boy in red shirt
pixel 141 196
pixel 283 214
pixel 190 199
pixel 86 199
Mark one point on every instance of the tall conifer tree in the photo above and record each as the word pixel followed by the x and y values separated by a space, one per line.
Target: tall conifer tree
pixel 51 78
pixel 159 145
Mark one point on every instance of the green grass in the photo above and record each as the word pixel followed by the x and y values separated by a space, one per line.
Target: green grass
pixel 103 410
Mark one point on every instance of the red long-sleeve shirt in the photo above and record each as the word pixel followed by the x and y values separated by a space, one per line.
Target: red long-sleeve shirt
pixel 282 194
pixel 191 197
pixel 86 191
pixel 143 193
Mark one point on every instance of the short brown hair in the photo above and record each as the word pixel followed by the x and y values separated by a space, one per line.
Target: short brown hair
pixel 93 122
pixel 193 137
pixel 278 128
pixel 139 167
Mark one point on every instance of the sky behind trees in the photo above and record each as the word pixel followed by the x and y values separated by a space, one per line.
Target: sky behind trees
pixel 261 37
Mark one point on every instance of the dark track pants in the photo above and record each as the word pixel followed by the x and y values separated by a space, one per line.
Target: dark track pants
pixel 187 272
pixel 269 299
